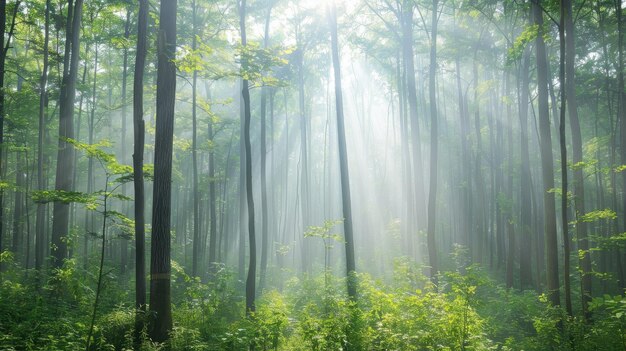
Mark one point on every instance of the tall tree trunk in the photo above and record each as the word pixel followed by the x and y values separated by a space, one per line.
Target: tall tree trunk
pixel 264 217
pixel 525 247
pixel 65 155
pixel 304 158
pixel 577 156
pixel 160 265
pixel 245 93
pixel 478 179
pixel 407 55
pixel 563 146
pixel 214 248
pixel 18 223
pixel 124 158
pixel 343 159
pixel 41 207
pixel 434 146
pixel 138 178
pixel 406 151
pixel 4 49
pixel 510 216
pixel 621 116
pixel 547 163
pixel 194 151
pixel 466 172
pixel 242 190
pixel 89 216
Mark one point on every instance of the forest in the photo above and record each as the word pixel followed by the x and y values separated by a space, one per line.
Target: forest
pixel 312 175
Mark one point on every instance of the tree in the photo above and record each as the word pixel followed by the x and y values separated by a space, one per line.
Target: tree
pixel 434 147
pixel 160 265
pixel 43 81
pixel 264 216
pixel 4 49
pixel 409 66
pixel 525 246
pixel 343 158
pixel 547 163
pixel 138 176
pixel 245 93
pixel 65 155
pixel 563 147
pixel 194 149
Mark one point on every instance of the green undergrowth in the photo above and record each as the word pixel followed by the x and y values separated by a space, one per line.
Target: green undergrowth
pixel 464 310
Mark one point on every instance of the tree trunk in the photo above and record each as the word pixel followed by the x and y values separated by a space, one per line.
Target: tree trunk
pixel 18 211
pixel 622 117
pixel 525 247
pixel 434 147
pixel 264 217
pixel 195 260
pixel 138 178
pixel 65 155
pixel 407 52
pixel 343 160
pixel 213 246
pixel 547 163
pixel 160 265
pixel 563 146
pixel 124 158
pixel 245 93
pixel 4 48
pixel 41 208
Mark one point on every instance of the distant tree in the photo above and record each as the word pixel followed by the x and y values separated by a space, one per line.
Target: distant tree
pixel 525 247
pixel 264 209
pixel 434 145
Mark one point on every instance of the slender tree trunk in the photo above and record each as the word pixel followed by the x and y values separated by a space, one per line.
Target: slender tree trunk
pixel 577 156
pixel 526 278
pixel 343 159
pixel 621 116
pixel 65 155
pixel 214 248
pixel 563 146
pixel 4 49
pixel 194 152
pixel 242 192
pixel 138 178
pixel 89 218
pixel 549 210
pixel 480 186
pixel 510 216
pixel 304 160
pixel 18 223
pixel 124 158
pixel 264 216
pixel 407 51
pixel 41 207
pixel 245 92
pixel 406 151
pixel 466 172
pixel 160 265
pixel 434 146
